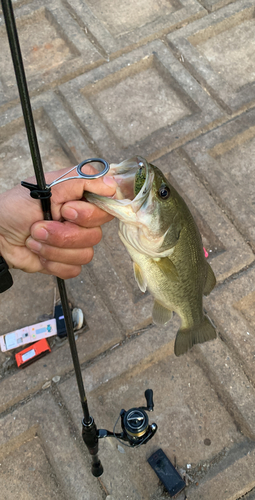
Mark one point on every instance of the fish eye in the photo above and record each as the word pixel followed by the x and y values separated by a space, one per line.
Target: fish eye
pixel 164 192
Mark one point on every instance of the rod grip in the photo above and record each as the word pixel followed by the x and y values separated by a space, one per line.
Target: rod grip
pixel 90 438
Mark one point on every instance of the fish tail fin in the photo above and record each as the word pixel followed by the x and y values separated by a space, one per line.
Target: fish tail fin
pixel 187 337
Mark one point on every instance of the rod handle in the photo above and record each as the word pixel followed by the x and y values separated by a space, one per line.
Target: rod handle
pixel 90 438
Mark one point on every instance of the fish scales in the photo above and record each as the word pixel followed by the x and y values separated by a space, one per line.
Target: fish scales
pixel 165 245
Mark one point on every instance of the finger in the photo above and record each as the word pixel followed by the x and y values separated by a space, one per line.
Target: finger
pixel 62 235
pixel 84 214
pixel 62 271
pixel 74 189
pixel 70 256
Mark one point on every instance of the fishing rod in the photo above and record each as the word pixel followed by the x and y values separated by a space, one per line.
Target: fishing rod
pixel 134 422
pixel 43 192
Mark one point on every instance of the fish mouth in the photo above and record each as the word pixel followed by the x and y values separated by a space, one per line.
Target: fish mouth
pixel 125 173
pixel 126 197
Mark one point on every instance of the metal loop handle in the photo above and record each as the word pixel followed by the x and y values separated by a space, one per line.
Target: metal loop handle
pixel 82 175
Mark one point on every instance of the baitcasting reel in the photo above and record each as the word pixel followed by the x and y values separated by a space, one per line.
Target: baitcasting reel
pixel 135 430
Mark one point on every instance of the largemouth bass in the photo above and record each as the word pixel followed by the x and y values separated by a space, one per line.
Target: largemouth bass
pixel 165 245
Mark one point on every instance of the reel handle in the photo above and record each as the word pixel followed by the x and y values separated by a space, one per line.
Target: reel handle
pixel 149 398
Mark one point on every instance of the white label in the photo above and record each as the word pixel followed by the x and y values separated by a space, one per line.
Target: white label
pixel 28 355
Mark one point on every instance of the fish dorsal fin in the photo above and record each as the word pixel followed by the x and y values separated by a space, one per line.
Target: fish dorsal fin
pixel 141 281
pixel 160 314
pixel 210 280
pixel 168 268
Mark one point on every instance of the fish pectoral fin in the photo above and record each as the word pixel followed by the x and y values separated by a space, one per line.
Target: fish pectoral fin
pixel 210 280
pixel 168 268
pixel 160 314
pixel 187 337
pixel 141 281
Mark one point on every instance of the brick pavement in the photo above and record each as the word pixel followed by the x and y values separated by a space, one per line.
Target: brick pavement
pixel 174 82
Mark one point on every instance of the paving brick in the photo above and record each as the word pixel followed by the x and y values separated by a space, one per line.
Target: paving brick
pixel 34 477
pixel 230 484
pixel 17 3
pixel 15 152
pixel 105 103
pixel 53 48
pixel 231 384
pixel 103 333
pixel 212 5
pixel 236 318
pixel 61 144
pixel 155 344
pixel 187 411
pixel 210 49
pixel 54 466
pixel 162 106
pixel 114 25
pixel 15 309
pixel 250 496
pixel 223 159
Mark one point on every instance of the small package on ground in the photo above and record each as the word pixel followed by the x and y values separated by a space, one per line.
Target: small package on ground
pixel 28 334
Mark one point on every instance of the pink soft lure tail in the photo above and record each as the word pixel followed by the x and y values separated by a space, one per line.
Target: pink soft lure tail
pixel 206 253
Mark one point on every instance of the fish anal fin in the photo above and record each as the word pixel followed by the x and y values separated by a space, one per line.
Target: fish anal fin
pixel 187 337
pixel 210 280
pixel 139 277
pixel 160 314
pixel 168 268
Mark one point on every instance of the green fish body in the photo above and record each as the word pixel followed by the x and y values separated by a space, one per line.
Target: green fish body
pixel 165 246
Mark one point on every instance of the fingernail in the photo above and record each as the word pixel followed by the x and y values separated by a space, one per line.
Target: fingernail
pixel 70 213
pixel 40 234
pixel 33 245
pixel 109 181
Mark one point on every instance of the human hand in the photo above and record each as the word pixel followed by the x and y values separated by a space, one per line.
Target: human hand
pixel 58 247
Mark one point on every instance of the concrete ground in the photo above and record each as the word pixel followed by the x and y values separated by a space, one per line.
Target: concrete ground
pixel 173 81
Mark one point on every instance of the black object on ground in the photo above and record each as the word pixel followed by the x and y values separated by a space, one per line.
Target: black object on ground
pixel 166 472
